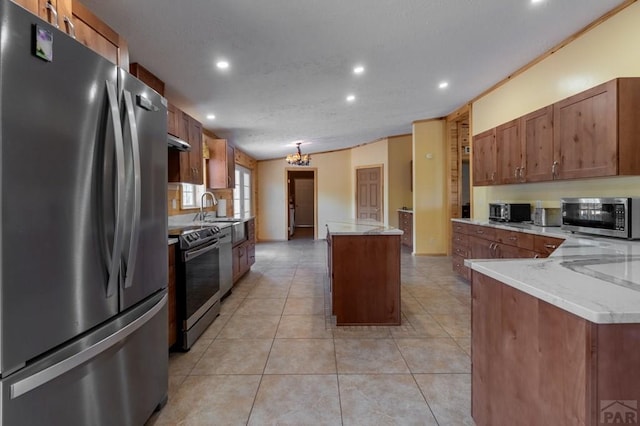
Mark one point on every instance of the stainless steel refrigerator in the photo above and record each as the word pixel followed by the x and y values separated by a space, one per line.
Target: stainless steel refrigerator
pixel 83 228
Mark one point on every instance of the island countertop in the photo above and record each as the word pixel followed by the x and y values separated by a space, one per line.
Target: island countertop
pixel 595 278
pixel 360 227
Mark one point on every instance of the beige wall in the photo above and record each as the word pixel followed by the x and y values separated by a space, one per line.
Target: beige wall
pixel 372 155
pixel 399 159
pixel 430 209
pixel 608 51
pixel 334 192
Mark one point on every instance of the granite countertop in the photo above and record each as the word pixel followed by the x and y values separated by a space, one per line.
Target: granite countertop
pixel 595 278
pixel 360 227
pixel 406 210
pixel 173 241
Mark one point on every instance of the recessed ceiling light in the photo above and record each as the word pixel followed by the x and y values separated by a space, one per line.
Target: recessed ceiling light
pixel 351 98
pixel 211 117
pixel 536 1
pixel 443 85
pixel 359 69
pixel 222 64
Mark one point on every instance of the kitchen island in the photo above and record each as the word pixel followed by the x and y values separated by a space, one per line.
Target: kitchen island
pixel 364 272
pixel 556 340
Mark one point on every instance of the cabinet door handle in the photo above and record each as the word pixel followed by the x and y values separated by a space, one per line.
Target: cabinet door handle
pixel 554 168
pixel 513 238
pixel 522 174
pixel 479 231
pixel 54 14
pixel 550 246
pixel 71 29
pixel 516 173
pixel 493 176
pixel 537 256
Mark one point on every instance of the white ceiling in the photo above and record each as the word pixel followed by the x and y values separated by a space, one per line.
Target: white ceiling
pixel 292 60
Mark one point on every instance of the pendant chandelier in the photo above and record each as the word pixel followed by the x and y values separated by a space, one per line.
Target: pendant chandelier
pixel 298 159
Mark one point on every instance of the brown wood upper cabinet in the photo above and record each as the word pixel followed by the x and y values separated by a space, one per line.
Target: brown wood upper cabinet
pixel 185 167
pixel 509 152
pixel 75 19
pixel 484 158
pixel 595 132
pixel 221 166
pixel 56 12
pixel 536 131
pixel 591 134
pixel 98 36
pixel 147 77
pixel 174 115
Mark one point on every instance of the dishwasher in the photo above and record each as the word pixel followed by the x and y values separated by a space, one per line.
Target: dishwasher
pixel 226 259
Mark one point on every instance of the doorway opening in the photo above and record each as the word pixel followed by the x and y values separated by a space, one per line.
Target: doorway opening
pixel 460 180
pixel 369 195
pixel 301 204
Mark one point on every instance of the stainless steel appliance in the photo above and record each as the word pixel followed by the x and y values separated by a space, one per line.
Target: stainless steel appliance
pixel 197 281
pixel 611 217
pixel 239 232
pixel 545 216
pixel 226 259
pixel 509 212
pixel 83 265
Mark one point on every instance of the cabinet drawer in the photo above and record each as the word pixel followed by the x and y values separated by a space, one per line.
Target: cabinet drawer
pixel 461 228
pixel 515 238
pixel 458 267
pixel 460 251
pixel 485 232
pixel 459 240
pixel 546 245
pixel 505 251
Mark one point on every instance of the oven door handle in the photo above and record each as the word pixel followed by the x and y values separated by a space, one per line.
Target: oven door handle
pixel 189 255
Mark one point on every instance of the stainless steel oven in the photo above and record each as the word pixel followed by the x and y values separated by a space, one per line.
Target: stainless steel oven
pixel 197 282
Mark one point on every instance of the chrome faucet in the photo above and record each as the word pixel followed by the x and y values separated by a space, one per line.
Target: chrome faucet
pixel 203 214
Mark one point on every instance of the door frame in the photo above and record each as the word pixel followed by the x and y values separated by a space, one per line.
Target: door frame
pixel 287 177
pixel 381 193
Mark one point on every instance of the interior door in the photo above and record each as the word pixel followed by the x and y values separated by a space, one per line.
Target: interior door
pixel 369 193
pixel 304 202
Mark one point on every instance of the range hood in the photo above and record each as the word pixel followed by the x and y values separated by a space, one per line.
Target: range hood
pixel 178 143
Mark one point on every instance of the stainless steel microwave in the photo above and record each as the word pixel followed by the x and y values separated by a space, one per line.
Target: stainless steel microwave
pixel 610 217
pixel 509 212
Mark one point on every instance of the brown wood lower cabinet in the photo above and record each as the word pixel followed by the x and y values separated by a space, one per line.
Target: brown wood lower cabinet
pixel 470 241
pixel 365 279
pixel 244 253
pixel 171 293
pixel 536 364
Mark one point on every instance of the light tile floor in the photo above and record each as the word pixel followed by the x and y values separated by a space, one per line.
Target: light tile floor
pixel 275 357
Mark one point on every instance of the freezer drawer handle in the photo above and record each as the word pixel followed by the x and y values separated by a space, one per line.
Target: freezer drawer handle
pixel 48 374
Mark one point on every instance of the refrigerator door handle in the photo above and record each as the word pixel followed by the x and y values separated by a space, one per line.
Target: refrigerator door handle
pixel 137 189
pixel 51 373
pixel 114 257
